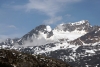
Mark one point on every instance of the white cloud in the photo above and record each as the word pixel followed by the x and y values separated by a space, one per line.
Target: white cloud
pixel 68 15
pixel 8 31
pixel 5 28
pixel 48 7
pixel 52 20
pixel 12 26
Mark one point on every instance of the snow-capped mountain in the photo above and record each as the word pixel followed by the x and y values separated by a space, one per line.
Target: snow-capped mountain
pixel 44 34
pixel 70 42
pixel 9 41
pixel 83 25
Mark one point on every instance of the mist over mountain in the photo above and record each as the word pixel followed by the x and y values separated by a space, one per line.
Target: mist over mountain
pixel 76 43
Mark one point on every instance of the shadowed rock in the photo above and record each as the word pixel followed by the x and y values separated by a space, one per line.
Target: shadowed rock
pixel 12 58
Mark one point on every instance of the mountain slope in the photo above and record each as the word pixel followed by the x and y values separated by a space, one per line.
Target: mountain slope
pixel 89 38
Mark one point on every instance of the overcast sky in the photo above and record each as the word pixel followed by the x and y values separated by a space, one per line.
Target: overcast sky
pixel 17 17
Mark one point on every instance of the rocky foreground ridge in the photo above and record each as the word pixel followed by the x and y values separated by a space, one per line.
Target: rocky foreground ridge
pixel 13 58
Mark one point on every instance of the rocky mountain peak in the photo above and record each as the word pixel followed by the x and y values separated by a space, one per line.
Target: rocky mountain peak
pixel 9 41
pixel 40 28
pixel 79 26
pixel 37 32
pixel 82 22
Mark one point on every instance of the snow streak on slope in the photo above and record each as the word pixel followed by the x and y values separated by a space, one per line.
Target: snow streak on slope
pixel 67 35
pixel 57 46
pixel 48 28
pixel 79 23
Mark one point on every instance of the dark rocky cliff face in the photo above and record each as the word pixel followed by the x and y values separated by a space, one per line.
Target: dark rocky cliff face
pixel 35 33
pixel 12 58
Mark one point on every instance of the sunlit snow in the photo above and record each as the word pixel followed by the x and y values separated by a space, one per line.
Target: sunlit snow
pixel 48 28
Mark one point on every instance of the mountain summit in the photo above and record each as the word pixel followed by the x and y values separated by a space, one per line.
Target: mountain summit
pixel 44 34
pixel 79 26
